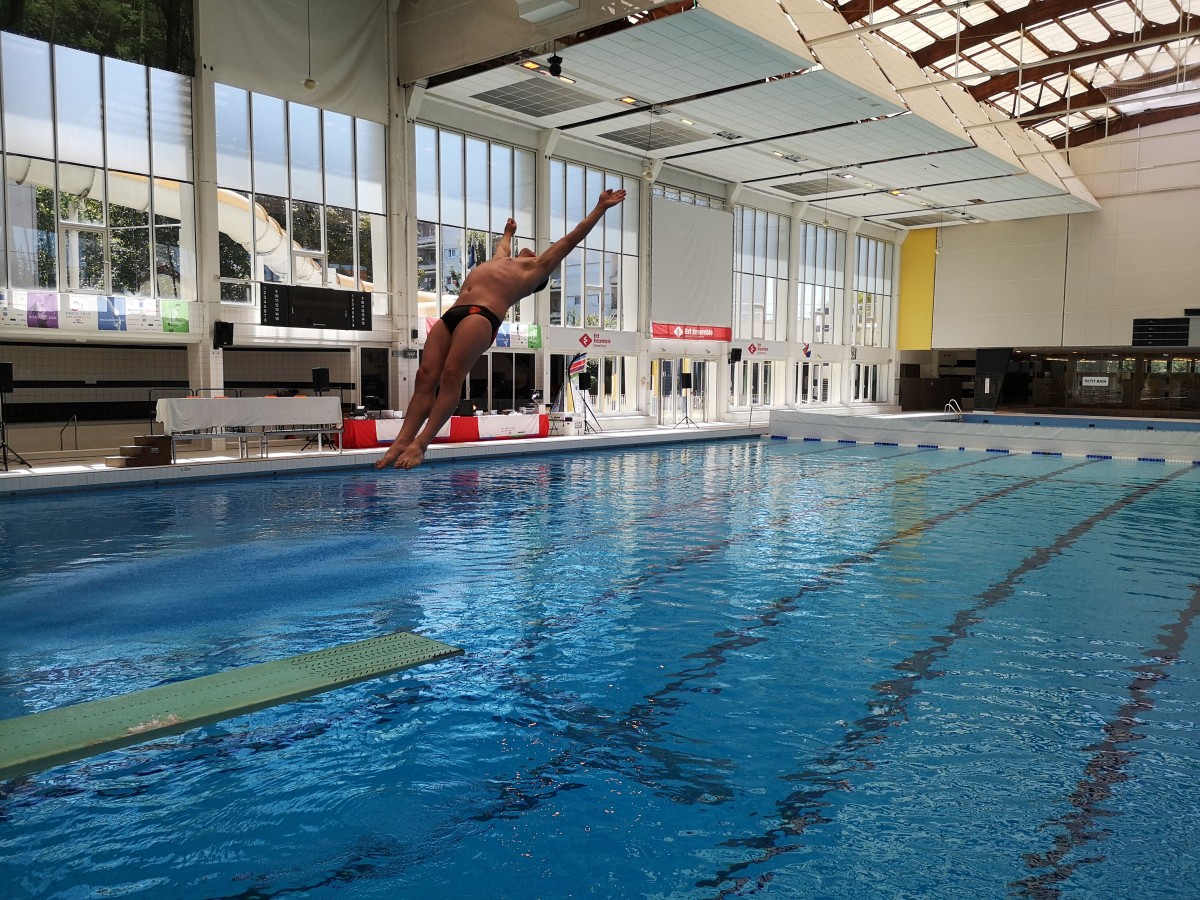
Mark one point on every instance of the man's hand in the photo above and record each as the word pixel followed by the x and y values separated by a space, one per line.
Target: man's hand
pixel 610 198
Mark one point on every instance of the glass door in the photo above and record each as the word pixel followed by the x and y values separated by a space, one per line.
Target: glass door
pixel 682 387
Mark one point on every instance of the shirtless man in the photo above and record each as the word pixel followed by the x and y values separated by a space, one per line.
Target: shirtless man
pixel 467 329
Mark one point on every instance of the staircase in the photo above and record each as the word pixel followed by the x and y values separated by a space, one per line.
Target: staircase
pixel 147 450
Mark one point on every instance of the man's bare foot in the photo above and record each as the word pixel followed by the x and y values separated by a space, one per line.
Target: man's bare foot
pixel 393 452
pixel 412 457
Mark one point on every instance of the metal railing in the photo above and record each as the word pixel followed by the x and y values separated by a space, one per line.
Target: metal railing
pixel 74 420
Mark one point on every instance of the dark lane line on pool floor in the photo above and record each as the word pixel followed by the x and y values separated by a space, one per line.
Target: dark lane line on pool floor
pixel 1106 768
pixel 805 807
pixel 635 729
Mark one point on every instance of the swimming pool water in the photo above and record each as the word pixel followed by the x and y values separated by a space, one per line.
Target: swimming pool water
pixel 741 668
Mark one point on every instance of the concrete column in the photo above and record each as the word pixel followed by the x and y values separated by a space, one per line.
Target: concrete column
pixel 205 364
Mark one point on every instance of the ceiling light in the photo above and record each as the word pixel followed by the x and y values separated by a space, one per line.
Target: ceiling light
pixel 687 121
pixel 630 100
pixel 566 79
pixel 898 193
pixel 530 64
pixel 845 175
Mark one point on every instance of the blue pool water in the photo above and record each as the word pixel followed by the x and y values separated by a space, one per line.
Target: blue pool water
pixel 739 668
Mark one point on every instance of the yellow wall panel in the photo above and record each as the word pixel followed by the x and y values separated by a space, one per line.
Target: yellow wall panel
pixel 917 259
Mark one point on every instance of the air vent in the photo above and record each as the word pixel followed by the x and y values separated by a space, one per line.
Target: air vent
pixel 1161 332
pixel 805 188
pixel 925 219
pixel 656 137
pixel 537 97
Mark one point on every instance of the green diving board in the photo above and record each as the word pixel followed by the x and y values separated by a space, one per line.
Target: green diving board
pixel 41 740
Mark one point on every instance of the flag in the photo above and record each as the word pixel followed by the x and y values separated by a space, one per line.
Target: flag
pixel 807 351
pixel 578 364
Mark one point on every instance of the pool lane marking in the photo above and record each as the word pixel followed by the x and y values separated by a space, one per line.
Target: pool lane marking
pixel 802 808
pixel 1106 768
pixel 637 724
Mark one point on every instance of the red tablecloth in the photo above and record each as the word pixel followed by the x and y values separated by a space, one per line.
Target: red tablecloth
pixel 363 433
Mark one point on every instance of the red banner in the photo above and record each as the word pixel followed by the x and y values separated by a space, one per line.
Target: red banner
pixel 691 332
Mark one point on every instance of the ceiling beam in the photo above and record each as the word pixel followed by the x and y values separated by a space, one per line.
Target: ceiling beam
pixel 993 29
pixel 1087 54
pixel 1098 130
pixel 857 10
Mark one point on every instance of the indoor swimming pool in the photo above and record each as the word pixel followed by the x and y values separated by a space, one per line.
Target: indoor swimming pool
pixel 738 668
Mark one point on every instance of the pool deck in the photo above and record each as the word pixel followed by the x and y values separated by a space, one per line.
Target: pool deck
pixel 81 471
pixel 940 431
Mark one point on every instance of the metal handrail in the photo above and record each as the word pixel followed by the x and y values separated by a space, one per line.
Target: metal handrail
pixel 74 420
pixel 953 409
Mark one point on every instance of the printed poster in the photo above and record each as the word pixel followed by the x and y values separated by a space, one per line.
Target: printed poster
pixel 41 309
pixel 111 313
pixel 175 316
pixel 80 312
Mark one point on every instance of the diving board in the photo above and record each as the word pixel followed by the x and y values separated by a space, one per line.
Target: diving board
pixel 41 740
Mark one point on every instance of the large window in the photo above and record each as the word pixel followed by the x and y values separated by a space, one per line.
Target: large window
pixel 816 383
pixel 821 280
pixel 467 188
pixel 597 286
pixel 755 383
pixel 300 196
pixel 83 136
pixel 872 292
pixel 760 263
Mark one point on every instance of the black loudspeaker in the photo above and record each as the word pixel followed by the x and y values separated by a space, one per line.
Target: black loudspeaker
pixel 320 380
pixel 735 355
pixel 685 381
pixel 585 381
pixel 6 378
pixel 222 335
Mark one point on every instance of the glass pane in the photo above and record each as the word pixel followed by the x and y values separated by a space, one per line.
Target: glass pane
pixel 235 293
pixel 269 116
pixel 83 260
pixel 272 244
pixel 174 239
pixel 523 191
pixel 502 189
pixel 77 96
pixel 339 160
pixel 32 237
pixel 304 128
pixel 232 111
pixel 126 116
pixel 452 181
pixel 80 194
pixel 372 169
pixel 171 125
pixel 630 211
pixel 306 226
pixel 339 238
pixel 478 215
pixel 28 110
pixel 372 251
pixel 427 260
pixel 573 289
pixel 427 173
pixel 452 264
pixel 129 234
pixel 558 199
pixel 233 219
pixel 595 287
pixel 575 198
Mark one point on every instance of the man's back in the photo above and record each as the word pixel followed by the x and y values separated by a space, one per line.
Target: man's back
pixel 499 283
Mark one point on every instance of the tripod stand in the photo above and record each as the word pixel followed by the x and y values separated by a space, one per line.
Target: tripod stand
pixel 686 420
pixel 5 450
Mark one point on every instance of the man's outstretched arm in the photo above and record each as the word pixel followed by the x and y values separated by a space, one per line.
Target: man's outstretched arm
pixel 552 258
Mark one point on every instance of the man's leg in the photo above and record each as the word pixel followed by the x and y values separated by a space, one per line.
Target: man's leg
pixel 470 340
pixel 429 375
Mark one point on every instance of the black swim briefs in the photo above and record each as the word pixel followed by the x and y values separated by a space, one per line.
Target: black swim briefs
pixel 456 314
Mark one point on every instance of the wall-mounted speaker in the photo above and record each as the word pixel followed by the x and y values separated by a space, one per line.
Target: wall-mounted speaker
pixel 685 381
pixel 735 355
pixel 585 381
pixel 6 378
pixel 222 335
pixel 320 380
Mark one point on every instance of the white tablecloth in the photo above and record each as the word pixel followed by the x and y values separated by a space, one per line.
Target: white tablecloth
pixel 196 413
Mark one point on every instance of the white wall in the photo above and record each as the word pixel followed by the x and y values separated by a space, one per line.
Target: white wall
pixel 1081 280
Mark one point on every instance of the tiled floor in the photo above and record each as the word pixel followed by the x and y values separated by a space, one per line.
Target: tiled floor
pixel 79 473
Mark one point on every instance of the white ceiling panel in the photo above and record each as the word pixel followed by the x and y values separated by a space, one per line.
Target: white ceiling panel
pixel 901 71
pixel 936 168
pixel 680 56
pixel 878 204
pixel 850 61
pixel 764 19
pixel 883 139
pixel 989 190
pixel 970 113
pixel 743 164
pixel 526 96
pixel 802 103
